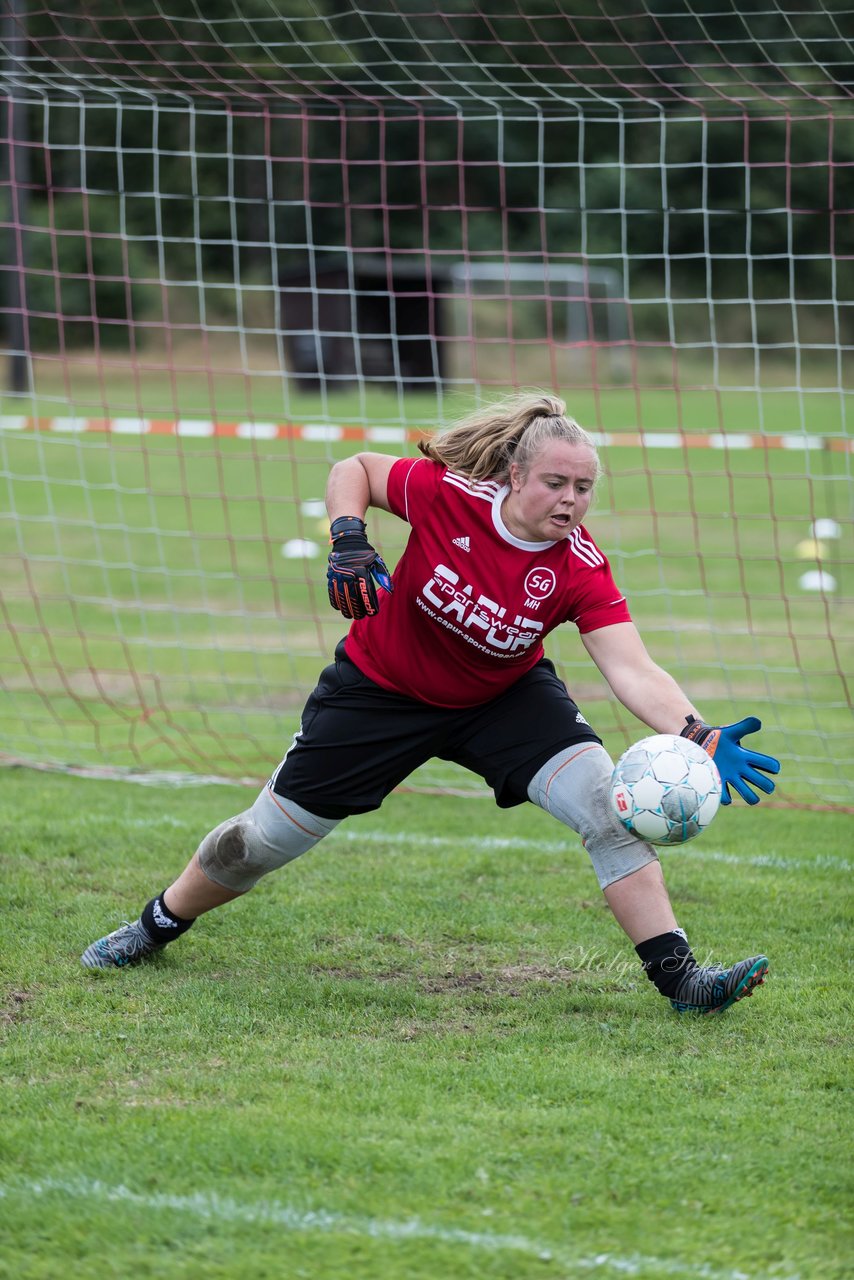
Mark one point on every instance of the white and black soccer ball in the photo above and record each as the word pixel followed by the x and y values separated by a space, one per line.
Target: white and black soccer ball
pixel 665 789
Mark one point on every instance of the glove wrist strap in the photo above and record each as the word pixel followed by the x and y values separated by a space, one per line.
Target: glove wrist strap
pixel 696 730
pixel 345 526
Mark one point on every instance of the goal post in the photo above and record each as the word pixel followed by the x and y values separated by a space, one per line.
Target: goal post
pixel 504 310
pixel 238 248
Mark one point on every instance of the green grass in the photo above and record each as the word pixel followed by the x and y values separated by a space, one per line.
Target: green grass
pixel 424 1050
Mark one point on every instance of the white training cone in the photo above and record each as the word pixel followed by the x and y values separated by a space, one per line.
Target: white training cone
pixel 817 580
pixel 313 507
pixel 300 549
pixel 826 528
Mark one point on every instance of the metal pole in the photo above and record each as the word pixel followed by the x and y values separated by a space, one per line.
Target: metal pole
pixel 14 36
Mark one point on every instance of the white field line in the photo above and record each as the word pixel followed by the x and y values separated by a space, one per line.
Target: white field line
pixel 696 852
pixel 487 843
pixel 223 1209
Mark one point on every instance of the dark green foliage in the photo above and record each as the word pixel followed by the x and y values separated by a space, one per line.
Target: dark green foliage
pixel 214 147
pixel 86 283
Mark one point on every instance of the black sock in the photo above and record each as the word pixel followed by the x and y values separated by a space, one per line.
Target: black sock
pixel 161 923
pixel 666 958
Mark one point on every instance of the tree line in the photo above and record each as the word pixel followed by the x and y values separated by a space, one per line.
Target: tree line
pixel 196 153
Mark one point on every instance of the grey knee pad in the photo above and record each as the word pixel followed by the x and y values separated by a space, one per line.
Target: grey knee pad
pixel 241 850
pixel 573 786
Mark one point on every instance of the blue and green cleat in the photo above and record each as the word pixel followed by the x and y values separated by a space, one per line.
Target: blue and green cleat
pixel 713 989
pixel 127 945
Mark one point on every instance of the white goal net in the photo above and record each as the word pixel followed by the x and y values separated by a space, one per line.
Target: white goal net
pixel 243 240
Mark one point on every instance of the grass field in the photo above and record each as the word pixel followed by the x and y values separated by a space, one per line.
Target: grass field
pixel 425 1050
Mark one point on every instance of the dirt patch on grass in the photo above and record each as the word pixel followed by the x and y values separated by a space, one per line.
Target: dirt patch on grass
pixel 409 1030
pixel 346 974
pixel 509 980
pixel 14 1007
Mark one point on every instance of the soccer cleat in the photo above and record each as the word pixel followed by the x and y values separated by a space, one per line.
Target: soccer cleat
pixel 127 945
pixel 711 990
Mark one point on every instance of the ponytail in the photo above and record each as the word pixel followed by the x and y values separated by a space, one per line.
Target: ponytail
pixel 484 444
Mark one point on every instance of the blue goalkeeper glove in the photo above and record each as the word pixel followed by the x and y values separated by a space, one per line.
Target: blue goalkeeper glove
pixel 354 570
pixel 737 766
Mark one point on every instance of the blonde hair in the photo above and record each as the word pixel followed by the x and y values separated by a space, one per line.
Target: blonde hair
pixel 484 444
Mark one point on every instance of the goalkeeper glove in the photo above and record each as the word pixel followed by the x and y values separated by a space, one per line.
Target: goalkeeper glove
pixel 737 766
pixel 354 567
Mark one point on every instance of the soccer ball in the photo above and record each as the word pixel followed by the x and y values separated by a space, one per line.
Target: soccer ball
pixel 665 789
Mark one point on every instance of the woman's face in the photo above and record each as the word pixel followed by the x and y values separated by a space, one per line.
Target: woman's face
pixel 549 500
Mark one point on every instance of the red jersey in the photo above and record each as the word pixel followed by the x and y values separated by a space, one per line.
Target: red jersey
pixel 471 602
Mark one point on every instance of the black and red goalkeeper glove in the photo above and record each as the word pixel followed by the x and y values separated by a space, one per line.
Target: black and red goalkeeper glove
pixel 738 766
pixel 355 570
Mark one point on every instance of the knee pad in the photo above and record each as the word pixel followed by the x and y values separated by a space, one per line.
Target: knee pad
pixel 574 787
pixel 241 850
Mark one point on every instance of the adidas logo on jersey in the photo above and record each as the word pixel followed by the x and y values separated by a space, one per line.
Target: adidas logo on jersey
pixel 462 542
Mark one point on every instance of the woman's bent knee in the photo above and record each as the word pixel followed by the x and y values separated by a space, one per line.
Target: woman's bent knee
pixel 574 787
pixel 241 850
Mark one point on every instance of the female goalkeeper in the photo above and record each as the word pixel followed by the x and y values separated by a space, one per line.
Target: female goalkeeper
pixel 446 660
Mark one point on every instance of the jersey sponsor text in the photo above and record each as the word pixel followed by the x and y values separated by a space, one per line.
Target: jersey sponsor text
pixel 480 617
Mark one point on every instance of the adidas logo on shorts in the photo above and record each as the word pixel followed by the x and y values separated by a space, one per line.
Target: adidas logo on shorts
pixel 462 542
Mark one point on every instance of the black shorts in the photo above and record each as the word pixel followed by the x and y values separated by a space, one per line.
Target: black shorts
pixel 359 741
